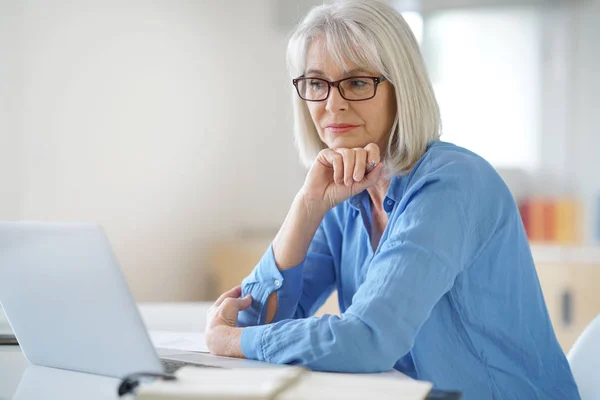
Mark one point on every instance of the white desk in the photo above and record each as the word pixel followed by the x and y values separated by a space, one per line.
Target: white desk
pixel 21 381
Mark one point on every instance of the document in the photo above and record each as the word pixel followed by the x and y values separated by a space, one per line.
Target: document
pixel 188 341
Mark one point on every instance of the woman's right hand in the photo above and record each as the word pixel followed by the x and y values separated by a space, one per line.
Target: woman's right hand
pixel 338 174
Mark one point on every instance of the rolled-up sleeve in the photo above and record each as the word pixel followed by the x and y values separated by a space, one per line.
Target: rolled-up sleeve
pixel 264 280
pixel 300 289
pixel 430 242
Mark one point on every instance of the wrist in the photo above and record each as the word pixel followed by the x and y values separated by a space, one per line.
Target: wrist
pixel 310 208
pixel 225 341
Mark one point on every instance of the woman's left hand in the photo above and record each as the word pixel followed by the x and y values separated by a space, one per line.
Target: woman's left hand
pixel 223 338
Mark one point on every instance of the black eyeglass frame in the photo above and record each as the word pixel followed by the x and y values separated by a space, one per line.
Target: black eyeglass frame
pixel 336 84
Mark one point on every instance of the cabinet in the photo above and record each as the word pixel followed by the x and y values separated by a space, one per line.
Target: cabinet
pixel 570 280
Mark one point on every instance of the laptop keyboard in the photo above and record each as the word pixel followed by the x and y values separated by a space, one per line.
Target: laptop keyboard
pixel 170 366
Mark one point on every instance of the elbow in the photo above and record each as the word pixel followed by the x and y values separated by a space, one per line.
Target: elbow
pixel 370 361
pixel 360 349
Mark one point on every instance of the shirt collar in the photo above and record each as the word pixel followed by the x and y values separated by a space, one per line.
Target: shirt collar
pixel 394 193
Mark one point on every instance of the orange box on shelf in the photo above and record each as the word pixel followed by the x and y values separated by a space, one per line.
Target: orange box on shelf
pixel 552 220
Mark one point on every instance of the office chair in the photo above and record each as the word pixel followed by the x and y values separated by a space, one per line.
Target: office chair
pixel 584 359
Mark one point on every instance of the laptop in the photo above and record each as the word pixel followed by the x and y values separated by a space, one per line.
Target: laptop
pixel 69 306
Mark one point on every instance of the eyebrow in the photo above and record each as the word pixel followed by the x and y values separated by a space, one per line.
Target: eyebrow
pixel 349 73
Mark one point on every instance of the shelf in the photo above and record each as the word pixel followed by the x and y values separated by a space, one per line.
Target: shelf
pixel 548 253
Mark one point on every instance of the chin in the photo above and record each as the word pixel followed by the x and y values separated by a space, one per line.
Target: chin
pixel 346 143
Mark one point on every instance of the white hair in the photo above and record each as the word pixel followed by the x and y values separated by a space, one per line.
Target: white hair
pixel 371 35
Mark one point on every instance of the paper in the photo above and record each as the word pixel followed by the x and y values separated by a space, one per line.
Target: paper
pixel 188 341
pixel 4 326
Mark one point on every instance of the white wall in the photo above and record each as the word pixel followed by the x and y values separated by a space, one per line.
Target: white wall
pixel 585 108
pixel 166 122
pixel 11 145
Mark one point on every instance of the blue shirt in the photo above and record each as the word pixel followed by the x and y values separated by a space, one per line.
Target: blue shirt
pixel 450 296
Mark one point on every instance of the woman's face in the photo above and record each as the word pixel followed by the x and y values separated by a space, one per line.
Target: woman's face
pixel 349 124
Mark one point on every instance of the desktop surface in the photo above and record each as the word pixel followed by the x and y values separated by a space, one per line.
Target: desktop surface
pixel 20 380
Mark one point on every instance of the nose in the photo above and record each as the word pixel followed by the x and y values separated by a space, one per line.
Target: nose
pixel 335 101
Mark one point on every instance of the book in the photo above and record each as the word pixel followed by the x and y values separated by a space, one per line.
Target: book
pixel 196 383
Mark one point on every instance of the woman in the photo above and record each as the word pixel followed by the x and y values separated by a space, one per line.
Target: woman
pixel 421 239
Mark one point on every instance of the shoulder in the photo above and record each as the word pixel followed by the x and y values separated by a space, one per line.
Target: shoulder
pixel 451 179
pixel 450 162
pixel 458 171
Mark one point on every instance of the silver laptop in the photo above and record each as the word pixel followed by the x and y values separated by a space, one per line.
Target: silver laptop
pixel 69 305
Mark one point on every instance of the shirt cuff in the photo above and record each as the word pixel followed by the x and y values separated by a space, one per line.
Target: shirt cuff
pixel 289 294
pixel 264 280
pixel 252 342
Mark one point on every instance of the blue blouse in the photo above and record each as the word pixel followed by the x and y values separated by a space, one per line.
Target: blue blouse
pixel 450 296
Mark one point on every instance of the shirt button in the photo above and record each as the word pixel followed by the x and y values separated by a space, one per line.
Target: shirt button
pixel 389 202
pixel 277 282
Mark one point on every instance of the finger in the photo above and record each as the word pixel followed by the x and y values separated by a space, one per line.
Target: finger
pixel 348 157
pixel 360 164
pixel 234 292
pixel 335 160
pixel 228 312
pixel 371 178
pixel 373 156
pixel 245 302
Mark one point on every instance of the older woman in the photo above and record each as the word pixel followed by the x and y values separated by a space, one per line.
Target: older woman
pixel 421 239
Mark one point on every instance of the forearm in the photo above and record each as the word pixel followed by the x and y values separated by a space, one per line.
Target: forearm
pixel 296 233
pixel 292 241
pixel 323 344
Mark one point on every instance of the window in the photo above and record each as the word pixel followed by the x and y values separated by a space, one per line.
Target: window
pixel 485 66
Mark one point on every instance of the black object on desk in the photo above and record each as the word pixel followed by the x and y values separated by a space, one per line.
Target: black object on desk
pixel 8 340
pixel 130 382
pixel 443 395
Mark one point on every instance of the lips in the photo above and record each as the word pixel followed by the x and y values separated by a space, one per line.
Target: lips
pixel 340 128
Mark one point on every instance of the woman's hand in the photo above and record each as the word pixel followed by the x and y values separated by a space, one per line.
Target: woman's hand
pixel 222 336
pixel 338 174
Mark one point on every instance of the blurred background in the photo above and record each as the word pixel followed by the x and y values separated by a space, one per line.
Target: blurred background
pixel 144 117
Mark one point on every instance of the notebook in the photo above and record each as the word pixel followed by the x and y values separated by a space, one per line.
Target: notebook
pixel 194 383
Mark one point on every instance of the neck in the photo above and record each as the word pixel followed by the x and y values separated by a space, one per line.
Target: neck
pixel 378 192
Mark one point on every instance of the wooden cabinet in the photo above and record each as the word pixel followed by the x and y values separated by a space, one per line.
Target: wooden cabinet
pixel 572 294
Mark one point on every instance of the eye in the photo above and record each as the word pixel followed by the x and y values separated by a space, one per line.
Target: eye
pixel 315 84
pixel 359 83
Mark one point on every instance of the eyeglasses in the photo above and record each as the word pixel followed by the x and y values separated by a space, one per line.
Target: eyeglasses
pixel 356 88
